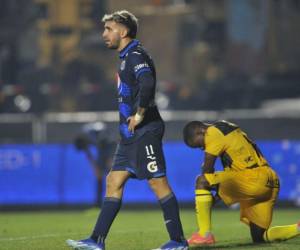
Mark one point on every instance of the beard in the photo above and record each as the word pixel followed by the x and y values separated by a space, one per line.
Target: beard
pixel 113 44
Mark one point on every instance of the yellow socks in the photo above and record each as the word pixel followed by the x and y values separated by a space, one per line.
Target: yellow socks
pixel 203 202
pixel 279 233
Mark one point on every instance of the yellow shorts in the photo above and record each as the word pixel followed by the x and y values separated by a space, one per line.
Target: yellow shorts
pixel 255 189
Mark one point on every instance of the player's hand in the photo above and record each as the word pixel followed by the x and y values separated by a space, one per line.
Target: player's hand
pixel 133 121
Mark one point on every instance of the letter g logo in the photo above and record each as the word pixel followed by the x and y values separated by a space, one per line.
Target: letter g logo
pixel 152 166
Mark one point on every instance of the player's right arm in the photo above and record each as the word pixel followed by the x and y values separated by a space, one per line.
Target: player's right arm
pixel 208 164
pixel 214 146
pixel 208 168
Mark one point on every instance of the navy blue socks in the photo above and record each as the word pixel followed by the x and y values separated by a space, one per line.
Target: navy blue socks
pixel 111 207
pixel 170 209
pixel 109 211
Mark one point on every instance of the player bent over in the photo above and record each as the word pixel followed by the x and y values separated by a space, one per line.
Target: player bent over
pixel 247 179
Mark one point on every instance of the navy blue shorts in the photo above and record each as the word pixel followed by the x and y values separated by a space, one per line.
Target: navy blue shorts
pixel 144 158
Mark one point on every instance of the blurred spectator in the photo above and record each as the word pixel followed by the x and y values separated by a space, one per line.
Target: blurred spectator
pixel 223 54
pixel 96 143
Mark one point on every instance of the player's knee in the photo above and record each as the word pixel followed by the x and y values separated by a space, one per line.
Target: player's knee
pixel 112 184
pixel 201 182
pixel 160 186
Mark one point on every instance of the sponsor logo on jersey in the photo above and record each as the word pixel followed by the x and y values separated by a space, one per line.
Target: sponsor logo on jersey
pixel 140 66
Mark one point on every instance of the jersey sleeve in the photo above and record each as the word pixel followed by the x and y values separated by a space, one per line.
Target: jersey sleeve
pixel 139 64
pixel 214 141
pixel 144 77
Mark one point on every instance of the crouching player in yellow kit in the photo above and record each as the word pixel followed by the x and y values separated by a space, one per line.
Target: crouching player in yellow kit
pixel 247 179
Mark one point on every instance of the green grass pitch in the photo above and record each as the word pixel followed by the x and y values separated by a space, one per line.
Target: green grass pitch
pixel 132 230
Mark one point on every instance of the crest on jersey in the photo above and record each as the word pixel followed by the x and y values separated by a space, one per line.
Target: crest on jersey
pixel 122 66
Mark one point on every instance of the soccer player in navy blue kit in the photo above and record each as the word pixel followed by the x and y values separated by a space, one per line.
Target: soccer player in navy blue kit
pixel 139 153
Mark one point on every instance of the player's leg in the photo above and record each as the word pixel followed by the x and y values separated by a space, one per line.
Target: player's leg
pixel 276 233
pixel 203 204
pixel 169 205
pixel 111 205
pixel 280 233
pixel 151 166
pixel 258 213
pixel 115 182
pixel 256 200
pixel 232 186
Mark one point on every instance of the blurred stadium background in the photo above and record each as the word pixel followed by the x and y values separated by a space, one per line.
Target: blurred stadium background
pixel 216 59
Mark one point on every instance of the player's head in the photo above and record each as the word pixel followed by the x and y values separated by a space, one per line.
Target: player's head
pixel 193 134
pixel 118 26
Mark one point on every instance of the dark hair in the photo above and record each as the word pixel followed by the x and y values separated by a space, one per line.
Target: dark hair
pixel 189 130
pixel 126 18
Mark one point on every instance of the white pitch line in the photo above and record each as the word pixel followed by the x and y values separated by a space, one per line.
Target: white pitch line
pixel 37 237
pixel 64 235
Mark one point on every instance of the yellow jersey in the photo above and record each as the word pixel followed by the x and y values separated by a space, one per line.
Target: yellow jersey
pixel 237 152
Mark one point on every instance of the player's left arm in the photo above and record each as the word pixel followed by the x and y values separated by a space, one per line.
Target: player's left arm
pixel 145 79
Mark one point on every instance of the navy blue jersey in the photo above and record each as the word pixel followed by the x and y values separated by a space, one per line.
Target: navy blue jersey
pixel 136 88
